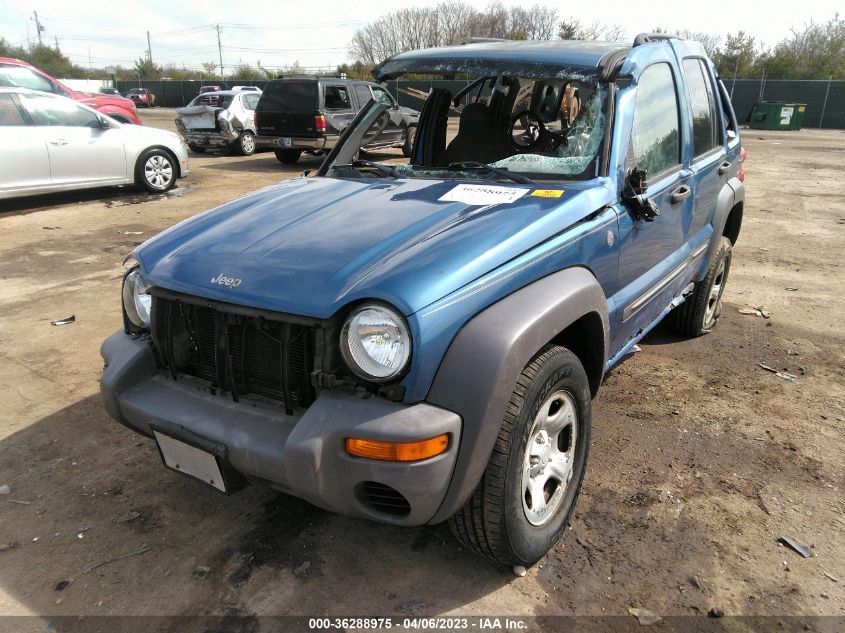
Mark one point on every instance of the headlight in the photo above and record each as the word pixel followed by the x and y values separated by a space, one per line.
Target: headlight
pixel 136 301
pixel 375 342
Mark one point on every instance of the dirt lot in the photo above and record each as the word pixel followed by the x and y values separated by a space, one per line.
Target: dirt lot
pixel 700 458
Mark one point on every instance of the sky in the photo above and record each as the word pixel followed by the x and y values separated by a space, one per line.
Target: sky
pixel 278 33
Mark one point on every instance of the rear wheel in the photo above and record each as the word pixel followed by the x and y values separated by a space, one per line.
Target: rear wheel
pixel 156 171
pixel 529 488
pixel 288 156
pixel 246 143
pixel 700 312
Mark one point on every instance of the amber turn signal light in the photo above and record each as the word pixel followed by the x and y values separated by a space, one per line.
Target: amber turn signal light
pixel 398 451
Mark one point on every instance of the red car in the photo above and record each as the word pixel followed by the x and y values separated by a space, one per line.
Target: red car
pixel 142 97
pixel 17 73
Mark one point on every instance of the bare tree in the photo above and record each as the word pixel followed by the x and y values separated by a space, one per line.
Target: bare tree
pixel 449 23
pixel 574 29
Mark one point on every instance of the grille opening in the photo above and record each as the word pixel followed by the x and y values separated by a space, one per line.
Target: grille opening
pixel 238 354
pixel 382 498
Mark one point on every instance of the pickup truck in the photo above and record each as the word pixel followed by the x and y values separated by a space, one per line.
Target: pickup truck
pixel 420 341
pixel 297 115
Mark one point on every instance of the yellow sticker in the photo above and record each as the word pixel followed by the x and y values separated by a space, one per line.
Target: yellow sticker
pixel 801 108
pixel 547 193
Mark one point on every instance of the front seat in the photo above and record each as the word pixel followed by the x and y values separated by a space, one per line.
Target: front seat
pixel 477 138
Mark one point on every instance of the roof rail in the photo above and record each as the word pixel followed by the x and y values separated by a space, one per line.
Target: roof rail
pixel 480 40
pixel 648 38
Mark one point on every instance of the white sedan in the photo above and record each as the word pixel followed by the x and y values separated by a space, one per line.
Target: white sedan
pixel 50 143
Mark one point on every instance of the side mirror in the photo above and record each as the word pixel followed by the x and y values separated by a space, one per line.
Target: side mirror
pixel 638 181
pixel 633 195
pixel 105 122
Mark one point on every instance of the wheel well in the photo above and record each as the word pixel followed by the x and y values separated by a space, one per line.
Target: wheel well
pixel 167 150
pixel 585 339
pixel 733 223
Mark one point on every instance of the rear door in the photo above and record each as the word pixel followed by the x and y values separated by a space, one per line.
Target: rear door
pixel 337 106
pixel 708 164
pixel 26 164
pixel 288 107
pixel 81 151
pixel 653 254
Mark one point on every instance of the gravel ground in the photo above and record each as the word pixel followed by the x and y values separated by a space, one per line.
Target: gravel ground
pixel 700 459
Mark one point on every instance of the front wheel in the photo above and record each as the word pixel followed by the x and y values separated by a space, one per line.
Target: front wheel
pixel 408 147
pixel 700 312
pixel 246 143
pixel 528 491
pixel 156 171
pixel 288 156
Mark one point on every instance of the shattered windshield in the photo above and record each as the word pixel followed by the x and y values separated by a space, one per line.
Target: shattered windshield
pixel 546 125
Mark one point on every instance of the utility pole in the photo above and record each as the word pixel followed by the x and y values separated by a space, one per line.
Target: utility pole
pixel 56 39
pixel 149 49
pixel 220 51
pixel 38 26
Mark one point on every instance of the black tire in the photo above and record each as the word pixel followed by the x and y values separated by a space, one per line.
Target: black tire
pixel 495 520
pixel 288 156
pixel 196 148
pixel 408 147
pixel 156 171
pixel 246 143
pixel 700 312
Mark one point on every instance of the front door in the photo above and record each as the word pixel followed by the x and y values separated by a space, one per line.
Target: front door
pixel 653 252
pixel 81 150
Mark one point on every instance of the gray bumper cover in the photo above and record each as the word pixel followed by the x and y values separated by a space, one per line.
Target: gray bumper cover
pixel 303 456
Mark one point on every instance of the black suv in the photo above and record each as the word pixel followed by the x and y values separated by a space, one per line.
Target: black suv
pixel 298 115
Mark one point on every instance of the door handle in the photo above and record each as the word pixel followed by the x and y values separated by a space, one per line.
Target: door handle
pixel 724 167
pixel 58 141
pixel 681 193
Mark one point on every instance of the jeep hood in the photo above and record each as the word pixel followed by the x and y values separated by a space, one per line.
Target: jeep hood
pixel 309 246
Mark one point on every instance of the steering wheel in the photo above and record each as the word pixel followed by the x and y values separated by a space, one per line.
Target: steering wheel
pixel 528 133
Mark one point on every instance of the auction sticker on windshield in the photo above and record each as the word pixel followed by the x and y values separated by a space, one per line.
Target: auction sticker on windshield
pixel 483 194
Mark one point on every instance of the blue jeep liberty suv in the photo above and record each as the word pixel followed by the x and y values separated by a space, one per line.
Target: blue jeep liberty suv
pixel 418 340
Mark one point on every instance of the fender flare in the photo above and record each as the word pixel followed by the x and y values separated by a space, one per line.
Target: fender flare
pixel 732 194
pixel 481 366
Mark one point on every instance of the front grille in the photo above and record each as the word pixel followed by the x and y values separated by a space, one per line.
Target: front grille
pixel 237 353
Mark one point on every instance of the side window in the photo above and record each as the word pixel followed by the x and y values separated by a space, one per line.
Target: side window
pixel 58 111
pixel 250 101
pixel 364 95
pixel 9 112
pixel 703 107
pixel 655 135
pixel 727 111
pixel 337 98
pixel 22 77
pixel 382 96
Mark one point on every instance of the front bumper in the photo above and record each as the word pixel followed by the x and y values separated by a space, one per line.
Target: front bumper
pixel 303 456
pixel 316 144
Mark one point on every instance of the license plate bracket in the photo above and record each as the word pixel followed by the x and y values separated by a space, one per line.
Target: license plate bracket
pixel 197 457
pixel 283 141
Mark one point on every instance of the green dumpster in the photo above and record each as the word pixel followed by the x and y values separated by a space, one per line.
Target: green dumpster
pixel 777 115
